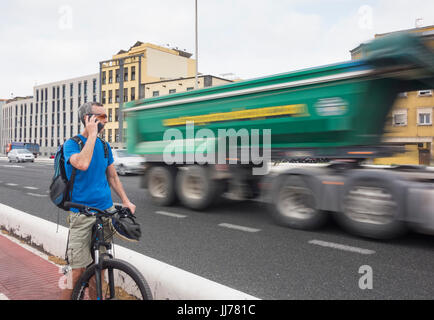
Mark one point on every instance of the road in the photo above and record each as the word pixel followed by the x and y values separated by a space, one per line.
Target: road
pixel 238 245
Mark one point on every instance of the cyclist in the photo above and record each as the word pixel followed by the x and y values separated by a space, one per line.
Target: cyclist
pixel 95 175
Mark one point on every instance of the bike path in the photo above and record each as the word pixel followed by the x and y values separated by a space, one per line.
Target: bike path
pixel 26 276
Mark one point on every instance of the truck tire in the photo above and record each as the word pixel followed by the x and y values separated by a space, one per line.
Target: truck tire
pixel 161 185
pixel 294 204
pixel 371 207
pixel 195 187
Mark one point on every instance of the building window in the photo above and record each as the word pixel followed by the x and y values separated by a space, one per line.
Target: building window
pixel 126 74
pixel 424 93
pixel 109 135
pixel 172 91
pixel 133 73
pixel 117 95
pixel 110 116
pixel 190 88
pixel 110 96
pixel 424 116
pixel 63 91
pixel 117 76
pixel 155 93
pixel 85 87
pixel 116 114
pixel 133 94
pixel 94 86
pixel 79 89
pixel 104 75
pixel 400 118
pixel 71 89
pixel 110 80
pixel 103 97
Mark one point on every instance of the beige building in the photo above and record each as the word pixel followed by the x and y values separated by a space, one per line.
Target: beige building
pixel 122 78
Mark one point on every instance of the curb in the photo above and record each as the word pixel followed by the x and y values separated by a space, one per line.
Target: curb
pixel 166 282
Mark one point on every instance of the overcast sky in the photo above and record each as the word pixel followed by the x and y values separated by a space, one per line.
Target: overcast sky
pixel 42 41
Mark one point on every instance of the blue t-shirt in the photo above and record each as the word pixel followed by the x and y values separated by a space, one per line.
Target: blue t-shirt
pixel 91 187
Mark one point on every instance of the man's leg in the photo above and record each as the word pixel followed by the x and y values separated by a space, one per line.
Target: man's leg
pixel 79 255
pixel 72 280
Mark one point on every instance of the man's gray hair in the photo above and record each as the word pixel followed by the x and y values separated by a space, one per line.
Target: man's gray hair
pixel 86 108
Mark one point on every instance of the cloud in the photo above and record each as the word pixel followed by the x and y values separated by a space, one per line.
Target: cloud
pixel 250 38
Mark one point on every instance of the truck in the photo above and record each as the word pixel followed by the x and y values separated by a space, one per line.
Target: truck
pixel 32 147
pixel 202 143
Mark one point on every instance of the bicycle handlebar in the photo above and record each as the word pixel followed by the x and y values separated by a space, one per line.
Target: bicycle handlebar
pixel 86 210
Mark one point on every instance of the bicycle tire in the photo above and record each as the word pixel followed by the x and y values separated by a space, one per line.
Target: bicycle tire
pixel 115 264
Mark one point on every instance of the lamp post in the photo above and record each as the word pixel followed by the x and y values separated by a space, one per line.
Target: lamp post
pixel 196 49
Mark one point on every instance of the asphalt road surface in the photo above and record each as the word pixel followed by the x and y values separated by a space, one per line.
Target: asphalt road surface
pixel 238 245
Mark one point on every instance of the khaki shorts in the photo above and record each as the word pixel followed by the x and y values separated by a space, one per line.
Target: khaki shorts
pixel 80 237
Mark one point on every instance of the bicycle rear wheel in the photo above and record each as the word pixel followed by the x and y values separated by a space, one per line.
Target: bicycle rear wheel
pixel 121 281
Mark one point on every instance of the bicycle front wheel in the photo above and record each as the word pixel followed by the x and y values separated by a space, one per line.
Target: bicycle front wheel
pixel 120 281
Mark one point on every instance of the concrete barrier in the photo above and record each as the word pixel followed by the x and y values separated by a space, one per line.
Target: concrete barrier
pixel 165 281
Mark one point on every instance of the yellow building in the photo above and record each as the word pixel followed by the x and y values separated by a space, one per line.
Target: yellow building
pixel 142 63
pixel 410 121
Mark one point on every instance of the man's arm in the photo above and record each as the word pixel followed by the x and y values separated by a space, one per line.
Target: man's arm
pixel 116 184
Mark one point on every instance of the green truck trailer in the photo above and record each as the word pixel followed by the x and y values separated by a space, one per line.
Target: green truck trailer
pixel 203 143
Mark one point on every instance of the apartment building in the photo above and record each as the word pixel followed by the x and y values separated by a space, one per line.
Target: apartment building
pixel 50 116
pixel 122 78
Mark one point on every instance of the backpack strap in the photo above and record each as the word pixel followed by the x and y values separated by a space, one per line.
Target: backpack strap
pixel 74 170
pixel 106 151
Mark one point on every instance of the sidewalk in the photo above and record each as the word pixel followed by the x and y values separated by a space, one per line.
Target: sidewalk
pixel 26 276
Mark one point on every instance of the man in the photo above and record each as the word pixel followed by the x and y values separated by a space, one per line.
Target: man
pixel 94 175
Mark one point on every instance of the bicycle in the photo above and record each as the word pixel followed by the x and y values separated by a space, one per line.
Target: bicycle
pixel 114 279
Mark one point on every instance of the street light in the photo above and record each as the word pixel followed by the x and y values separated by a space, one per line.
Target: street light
pixel 196 49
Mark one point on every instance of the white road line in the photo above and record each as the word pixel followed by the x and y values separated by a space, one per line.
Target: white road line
pixel 237 227
pixel 3 297
pixel 11 166
pixel 11 184
pixel 170 214
pixel 36 195
pixel 341 247
pixel 31 188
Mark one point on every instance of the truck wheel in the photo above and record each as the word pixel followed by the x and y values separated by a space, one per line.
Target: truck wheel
pixel 294 204
pixel 370 209
pixel 161 185
pixel 195 187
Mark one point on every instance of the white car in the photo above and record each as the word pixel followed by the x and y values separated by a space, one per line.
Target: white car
pixel 127 163
pixel 20 155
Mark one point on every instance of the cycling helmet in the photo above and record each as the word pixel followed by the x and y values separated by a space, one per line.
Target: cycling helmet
pixel 125 227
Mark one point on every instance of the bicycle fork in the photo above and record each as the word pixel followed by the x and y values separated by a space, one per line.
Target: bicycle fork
pixel 99 263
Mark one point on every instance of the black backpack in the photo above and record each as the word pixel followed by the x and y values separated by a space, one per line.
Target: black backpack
pixel 61 188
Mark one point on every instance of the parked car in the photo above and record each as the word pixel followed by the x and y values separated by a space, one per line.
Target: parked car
pixel 21 155
pixel 126 163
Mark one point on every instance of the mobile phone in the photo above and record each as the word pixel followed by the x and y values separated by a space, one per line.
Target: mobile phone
pixel 89 115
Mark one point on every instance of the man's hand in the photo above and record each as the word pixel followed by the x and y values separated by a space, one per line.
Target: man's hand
pixel 129 205
pixel 91 124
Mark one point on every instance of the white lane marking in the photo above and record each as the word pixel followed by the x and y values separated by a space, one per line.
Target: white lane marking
pixel 237 227
pixel 3 297
pixel 170 214
pixel 31 188
pixel 36 195
pixel 11 184
pixel 11 166
pixel 341 247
